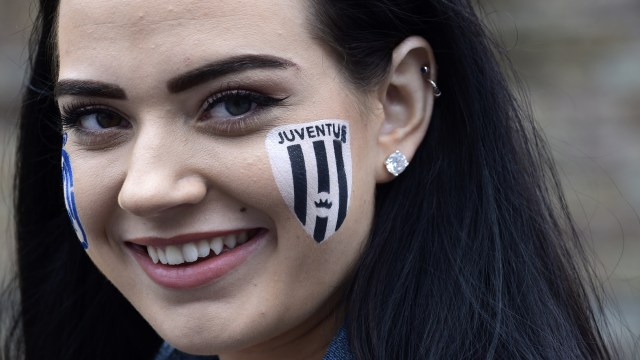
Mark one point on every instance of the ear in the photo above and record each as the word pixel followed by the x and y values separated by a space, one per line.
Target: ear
pixel 407 100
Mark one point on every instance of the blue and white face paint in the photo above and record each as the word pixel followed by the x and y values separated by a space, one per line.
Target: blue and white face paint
pixel 311 164
pixel 69 196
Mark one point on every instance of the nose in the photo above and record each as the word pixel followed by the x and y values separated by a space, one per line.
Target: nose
pixel 159 178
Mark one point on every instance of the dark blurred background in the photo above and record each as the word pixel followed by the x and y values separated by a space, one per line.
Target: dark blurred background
pixel 580 62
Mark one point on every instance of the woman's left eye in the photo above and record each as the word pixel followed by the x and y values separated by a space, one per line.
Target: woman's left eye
pixel 236 104
pixel 235 107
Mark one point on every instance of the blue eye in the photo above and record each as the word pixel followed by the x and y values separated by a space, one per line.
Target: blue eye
pixel 235 106
pixel 236 103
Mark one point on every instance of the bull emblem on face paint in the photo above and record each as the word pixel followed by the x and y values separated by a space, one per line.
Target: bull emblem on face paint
pixel 69 196
pixel 312 166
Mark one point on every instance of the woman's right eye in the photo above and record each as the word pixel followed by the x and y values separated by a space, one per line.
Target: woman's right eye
pixel 99 120
pixel 93 126
pixel 91 118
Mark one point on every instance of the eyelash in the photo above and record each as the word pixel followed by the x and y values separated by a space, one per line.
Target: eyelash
pixel 71 114
pixel 238 124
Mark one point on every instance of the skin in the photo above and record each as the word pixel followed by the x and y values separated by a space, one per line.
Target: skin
pixel 167 170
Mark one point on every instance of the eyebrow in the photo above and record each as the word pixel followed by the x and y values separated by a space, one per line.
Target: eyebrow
pixel 192 78
pixel 227 66
pixel 88 88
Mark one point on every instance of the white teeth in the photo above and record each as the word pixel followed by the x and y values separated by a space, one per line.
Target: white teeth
pixel 230 241
pixel 203 248
pixel 162 256
pixel 216 245
pixel 174 255
pixel 153 254
pixel 190 252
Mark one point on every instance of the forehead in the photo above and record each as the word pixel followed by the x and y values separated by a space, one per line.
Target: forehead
pixel 116 35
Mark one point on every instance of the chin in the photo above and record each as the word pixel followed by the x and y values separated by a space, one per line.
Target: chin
pixel 189 331
pixel 197 339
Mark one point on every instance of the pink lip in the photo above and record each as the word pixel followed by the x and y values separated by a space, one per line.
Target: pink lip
pixel 202 272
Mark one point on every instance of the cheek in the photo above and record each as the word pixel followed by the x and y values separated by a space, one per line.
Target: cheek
pixel 311 164
pixel 96 186
pixel 239 170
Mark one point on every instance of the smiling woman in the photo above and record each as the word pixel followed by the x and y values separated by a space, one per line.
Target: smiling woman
pixel 238 176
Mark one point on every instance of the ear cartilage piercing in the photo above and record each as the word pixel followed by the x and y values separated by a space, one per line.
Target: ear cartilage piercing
pixel 436 91
pixel 396 163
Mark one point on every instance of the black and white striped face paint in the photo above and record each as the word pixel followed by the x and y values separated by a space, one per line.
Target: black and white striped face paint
pixel 311 164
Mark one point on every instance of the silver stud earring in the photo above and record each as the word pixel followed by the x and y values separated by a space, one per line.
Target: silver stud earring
pixel 396 163
pixel 436 91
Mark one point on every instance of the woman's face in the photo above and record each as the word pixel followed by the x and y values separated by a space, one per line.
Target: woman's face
pixel 171 105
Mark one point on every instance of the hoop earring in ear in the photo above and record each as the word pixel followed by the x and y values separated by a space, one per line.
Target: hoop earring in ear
pixel 436 91
pixel 396 163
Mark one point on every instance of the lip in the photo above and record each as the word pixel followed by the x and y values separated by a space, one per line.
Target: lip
pixel 193 275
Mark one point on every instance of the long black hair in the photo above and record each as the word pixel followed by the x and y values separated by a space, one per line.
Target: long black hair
pixel 473 254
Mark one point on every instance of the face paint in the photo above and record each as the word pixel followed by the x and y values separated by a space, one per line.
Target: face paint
pixel 69 196
pixel 311 164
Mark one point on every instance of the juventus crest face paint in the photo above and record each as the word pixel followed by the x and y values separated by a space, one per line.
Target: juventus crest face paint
pixel 311 164
pixel 69 196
